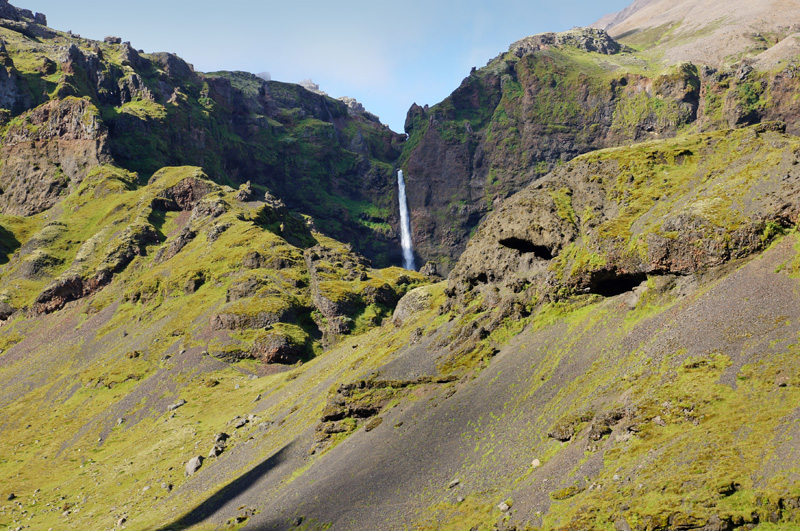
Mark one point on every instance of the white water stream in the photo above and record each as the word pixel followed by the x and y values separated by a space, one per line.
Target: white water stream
pixel 405 225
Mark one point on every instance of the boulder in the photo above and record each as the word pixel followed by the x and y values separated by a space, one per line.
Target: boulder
pixel 430 270
pixel 415 301
pixel 176 405
pixel 246 192
pixel 194 465
pixel 6 311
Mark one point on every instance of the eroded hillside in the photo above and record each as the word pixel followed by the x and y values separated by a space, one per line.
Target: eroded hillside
pixel 184 345
pixel 615 348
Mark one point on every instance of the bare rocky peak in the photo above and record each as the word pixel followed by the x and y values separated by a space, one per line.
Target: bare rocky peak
pixel 612 19
pixel 706 31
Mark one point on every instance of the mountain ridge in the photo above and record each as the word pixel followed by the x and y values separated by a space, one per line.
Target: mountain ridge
pixel 703 32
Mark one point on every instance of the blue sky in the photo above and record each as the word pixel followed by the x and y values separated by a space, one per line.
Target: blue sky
pixel 387 55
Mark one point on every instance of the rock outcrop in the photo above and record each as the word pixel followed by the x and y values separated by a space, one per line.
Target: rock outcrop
pixel 49 150
pixel 585 39
pixel 607 221
pixel 553 97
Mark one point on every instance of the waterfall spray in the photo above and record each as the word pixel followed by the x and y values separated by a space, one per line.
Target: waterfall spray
pixel 405 225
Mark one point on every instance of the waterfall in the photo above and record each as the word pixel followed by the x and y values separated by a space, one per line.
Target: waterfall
pixel 405 225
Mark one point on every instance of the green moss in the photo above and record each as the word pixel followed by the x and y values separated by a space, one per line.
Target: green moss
pixel 563 202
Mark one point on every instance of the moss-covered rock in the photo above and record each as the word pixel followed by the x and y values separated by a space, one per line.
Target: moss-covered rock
pixel 608 220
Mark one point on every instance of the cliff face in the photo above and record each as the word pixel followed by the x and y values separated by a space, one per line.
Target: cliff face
pixel 615 348
pixel 48 150
pixel 550 99
pixel 609 220
pixel 544 102
pixel 74 104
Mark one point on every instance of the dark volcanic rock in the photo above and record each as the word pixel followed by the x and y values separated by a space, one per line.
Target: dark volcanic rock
pixel 251 321
pixel 6 311
pixel 57 295
pixel 586 39
pixel 175 246
pixel 185 195
pixel 277 349
pixel 173 66
pixel 51 149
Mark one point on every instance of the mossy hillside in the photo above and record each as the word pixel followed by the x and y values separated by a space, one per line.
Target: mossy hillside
pixel 98 224
pixel 722 188
pixel 73 239
pixel 693 426
pixel 355 301
pixel 702 481
pixel 137 385
pixel 559 343
pixel 190 271
pixel 234 125
pixel 621 366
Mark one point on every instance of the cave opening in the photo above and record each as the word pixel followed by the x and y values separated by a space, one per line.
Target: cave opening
pixel 617 285
pixel 526 247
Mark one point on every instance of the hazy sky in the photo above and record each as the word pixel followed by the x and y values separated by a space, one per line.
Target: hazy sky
pixel 387 55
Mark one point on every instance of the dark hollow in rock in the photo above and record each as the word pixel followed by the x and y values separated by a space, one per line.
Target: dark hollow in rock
pixel 526 247
pixel 616 285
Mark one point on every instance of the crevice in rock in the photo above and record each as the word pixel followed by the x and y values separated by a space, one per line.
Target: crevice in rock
pixel 526 247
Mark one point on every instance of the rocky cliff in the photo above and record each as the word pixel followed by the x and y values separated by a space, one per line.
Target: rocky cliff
pixel 607 221
pixel 555 96
pixel 615 348
pixel 75 104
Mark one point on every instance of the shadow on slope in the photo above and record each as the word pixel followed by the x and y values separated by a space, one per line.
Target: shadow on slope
pixel 8 244
pixel 233 489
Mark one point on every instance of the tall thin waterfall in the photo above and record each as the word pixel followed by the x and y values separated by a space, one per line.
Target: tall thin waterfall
pixel 405 225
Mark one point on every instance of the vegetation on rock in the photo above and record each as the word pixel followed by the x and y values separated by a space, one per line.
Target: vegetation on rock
pixel 193 336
